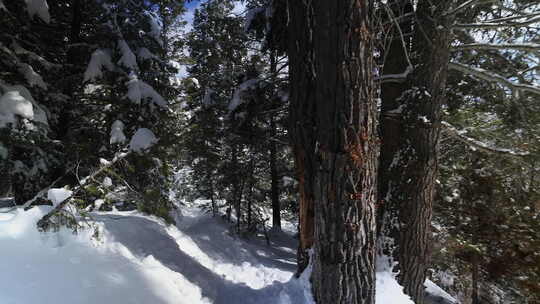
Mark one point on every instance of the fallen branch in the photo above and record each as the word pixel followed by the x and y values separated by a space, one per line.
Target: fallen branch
pixel 44 221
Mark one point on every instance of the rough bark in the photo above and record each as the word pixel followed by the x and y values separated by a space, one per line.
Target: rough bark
pixel 409 157
pixel 301 113
pixel 340 159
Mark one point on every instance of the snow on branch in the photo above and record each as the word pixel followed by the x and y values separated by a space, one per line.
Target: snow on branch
pixel 492 77
pixel 513 17
pixel 43 223
pixel 40 8
pixel 496 25
pixel 466 5
pixel 528 47
pixel 460 135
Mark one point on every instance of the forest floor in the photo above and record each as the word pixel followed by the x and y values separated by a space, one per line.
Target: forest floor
pixel 139 259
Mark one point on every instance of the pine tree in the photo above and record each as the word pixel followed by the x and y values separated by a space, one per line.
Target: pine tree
pixel 28 99
pixel 336 62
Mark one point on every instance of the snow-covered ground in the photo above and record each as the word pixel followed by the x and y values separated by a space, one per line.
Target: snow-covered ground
pixel 139 259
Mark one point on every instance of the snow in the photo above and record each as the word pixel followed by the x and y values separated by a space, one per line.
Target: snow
pixel 117 133
pixel 13 104
pixel 58 195
pixel 128 59
pixel 195 82
pixel 139 259
pixel 145 54
pixel 142 140
pixel 107 182
pixel 155 27
pixel 98 203
pixel 77 269
pixel 388 290
pixel 40 8
pixel 238 96
pixel 100 58
pixel 33 78
pixel 436 293
pixel 139 90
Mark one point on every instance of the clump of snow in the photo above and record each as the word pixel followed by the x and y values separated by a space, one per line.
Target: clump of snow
pixel 435 292
pixel 58 195
pixel 98 203
pixel 40 8
pixel 195 82
pixel 155 27
pixel 117 133
pixel 13 104
pixel 107 182
pixel 39 114
pixel 142 140
pixel 138 90
pixel 100 58
pixel 104 162
pixel 33 78
pixel 128 59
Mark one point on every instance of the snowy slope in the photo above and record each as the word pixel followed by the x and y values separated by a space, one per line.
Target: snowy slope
pixel 139 259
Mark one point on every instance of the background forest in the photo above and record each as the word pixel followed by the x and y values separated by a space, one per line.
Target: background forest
pixel 151 105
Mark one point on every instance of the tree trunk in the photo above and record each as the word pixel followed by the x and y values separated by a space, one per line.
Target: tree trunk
pixel 333 41
pixel 274 193
pixel 409 157
pixel 301 113
pixel 5 165
pixel 475 272
pixel 214 206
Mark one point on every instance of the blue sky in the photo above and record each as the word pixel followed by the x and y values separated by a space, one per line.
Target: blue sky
pixel 192 4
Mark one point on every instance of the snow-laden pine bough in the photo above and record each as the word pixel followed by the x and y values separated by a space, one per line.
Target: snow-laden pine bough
pixel 45 222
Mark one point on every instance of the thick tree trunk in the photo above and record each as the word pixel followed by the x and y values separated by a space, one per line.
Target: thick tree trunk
pixel 301 115
pixel 341 167
pixel 410 147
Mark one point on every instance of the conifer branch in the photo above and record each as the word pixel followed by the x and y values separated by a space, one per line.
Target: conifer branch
pixel 460 136
pixel 492 77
